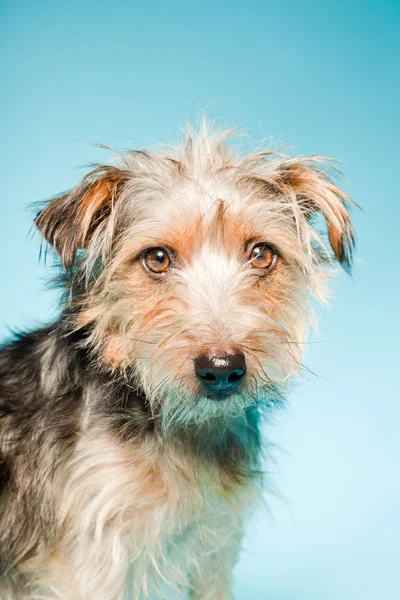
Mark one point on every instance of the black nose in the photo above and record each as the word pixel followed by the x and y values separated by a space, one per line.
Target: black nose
pixel 220 373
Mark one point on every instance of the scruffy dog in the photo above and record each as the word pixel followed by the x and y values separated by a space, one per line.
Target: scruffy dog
pixel 129 430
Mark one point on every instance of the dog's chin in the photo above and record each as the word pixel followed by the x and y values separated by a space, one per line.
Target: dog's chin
pixel 179 411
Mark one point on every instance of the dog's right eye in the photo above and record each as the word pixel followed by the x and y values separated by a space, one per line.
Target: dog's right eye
pixel 263 256
pixel 156 260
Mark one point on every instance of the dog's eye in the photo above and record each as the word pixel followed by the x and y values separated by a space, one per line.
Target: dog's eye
pixel 263 256
pixel 156 260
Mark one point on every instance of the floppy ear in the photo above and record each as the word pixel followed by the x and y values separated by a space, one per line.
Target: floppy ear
pixel 69 221
pixel 308 179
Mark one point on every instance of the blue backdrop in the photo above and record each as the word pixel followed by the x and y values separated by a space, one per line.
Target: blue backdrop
pixel 322 76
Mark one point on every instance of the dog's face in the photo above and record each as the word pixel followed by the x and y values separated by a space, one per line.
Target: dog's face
pixel 193 271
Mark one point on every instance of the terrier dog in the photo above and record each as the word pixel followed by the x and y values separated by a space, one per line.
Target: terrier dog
pixel 129 431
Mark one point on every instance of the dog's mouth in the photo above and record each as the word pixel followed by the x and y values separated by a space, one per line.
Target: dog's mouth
pixel 219 395
pixel 224 395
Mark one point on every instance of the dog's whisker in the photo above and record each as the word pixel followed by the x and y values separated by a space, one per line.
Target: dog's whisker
pixel 141 341
pixel 305 342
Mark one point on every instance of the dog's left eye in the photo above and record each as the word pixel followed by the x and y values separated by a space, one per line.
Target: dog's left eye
pixel 263 256
pixel 156 260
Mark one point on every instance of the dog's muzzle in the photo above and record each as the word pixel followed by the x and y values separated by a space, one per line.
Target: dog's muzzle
pixel 220 373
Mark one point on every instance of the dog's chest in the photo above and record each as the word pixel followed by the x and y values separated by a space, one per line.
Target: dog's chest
pixel 139 515
pixel 172 546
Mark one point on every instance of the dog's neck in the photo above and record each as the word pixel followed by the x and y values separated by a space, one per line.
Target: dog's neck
pixel 232 444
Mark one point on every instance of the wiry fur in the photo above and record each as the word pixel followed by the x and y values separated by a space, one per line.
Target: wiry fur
pixel 118 471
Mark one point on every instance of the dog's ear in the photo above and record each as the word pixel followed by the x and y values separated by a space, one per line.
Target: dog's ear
pixel 310 181
pixel 69 221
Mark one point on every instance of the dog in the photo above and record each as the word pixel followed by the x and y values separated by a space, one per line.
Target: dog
pixel 130 450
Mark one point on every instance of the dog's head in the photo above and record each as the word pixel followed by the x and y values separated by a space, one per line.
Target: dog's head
pixel 193 270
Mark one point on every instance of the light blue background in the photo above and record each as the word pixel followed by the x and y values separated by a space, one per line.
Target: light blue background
pixel 322 76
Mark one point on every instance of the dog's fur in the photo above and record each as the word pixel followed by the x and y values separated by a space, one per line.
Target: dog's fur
pixel 119 474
